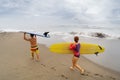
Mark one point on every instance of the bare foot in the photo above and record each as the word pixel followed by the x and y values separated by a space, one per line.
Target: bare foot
pixel 71 68
pixel 82 71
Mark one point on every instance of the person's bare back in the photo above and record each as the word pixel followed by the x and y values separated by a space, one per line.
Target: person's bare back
pixel 33 41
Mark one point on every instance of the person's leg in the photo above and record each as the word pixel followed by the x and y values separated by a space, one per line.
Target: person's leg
pixel 37 55
pixel 77 66
pixel 73 63
pixel 32 54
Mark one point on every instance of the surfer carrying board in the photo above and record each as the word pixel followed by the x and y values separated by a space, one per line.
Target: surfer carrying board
pixel 75 47
pixel 34 47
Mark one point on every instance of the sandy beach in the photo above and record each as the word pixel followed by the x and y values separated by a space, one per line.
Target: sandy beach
pixel 16 63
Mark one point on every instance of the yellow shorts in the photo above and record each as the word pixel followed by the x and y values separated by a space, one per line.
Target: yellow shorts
pixel 35 50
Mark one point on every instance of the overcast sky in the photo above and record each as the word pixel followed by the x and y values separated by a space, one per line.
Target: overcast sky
pixel 60 12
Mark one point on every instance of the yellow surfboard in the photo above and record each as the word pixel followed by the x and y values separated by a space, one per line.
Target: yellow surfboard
pixel 85 48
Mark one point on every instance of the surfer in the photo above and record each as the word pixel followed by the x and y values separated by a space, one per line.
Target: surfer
pixel 34 46
pixel 76 50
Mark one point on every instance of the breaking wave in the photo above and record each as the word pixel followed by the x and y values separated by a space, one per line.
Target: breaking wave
pixel 88 34
pixel 84 34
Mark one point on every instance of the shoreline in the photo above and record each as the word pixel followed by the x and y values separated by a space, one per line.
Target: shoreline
pixel 16 63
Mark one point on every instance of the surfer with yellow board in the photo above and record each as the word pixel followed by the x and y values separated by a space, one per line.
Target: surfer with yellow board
pixel 75 47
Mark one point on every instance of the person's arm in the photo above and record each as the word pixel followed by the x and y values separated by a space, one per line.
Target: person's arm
pixel 72 46
pixel 25 37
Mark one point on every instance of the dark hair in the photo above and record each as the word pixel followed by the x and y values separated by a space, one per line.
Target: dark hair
pixel 76 39
pixel 32 35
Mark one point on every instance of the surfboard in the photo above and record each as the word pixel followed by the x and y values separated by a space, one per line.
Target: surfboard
pixel 45 34
pixel 86 48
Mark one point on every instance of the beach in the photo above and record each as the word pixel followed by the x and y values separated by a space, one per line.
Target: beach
pixel 16 63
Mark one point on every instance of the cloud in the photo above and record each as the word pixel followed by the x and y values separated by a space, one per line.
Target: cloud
pixel 76 11
pixel 13 7
pixel 94 10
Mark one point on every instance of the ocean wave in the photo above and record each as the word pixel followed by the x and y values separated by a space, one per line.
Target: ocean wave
pixel 83 26
pixel 89 34
pixel 99 35
pixel 73 33
pixel 92 34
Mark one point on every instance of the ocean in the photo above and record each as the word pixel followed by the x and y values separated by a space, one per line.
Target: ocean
pixel 109 37
pixel 82 30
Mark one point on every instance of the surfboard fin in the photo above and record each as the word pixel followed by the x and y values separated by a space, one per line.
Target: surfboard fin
pixel 45 34
pixel 96 53
pixel 100 47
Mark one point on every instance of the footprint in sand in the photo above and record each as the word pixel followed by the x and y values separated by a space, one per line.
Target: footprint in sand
pixel 112 78
pixel 53 68
pixel 43 65
pixel 86 73
pixel 63 76
pixel 98 75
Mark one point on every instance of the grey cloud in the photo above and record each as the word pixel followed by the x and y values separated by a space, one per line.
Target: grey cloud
pixel 78 11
